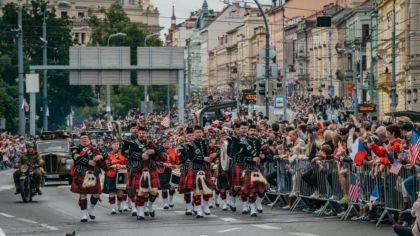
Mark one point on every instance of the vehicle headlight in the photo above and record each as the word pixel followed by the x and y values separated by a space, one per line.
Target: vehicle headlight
pixel 24 168
pixel 69 161
pixel 63 161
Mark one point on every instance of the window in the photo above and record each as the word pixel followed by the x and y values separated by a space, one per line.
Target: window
pixel 121 1
pixel 132 2
pixel 363 62
pixel 64 14
pixel 83 38
pixel 76 35
pixel 398 20
pixel 81 14
pixel 365 33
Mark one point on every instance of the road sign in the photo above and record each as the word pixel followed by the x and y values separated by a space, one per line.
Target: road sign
pixel 348 104
pixel 272 53
pixel 366 107
pixel 32 83
pixel 261 71
pixel 330 90
pixel 278 101
pixel 352 104
pixel 334 117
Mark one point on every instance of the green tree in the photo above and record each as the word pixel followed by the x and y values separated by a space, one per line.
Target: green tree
pixel 59 40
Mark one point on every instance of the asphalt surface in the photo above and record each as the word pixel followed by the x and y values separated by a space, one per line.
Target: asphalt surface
pixel 56 212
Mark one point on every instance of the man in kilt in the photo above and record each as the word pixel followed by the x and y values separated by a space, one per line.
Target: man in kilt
pixel 202 154
pixel 253 156
pixel 144 155
pixel 87 160
pixel 169 162
pixel 183 152
pixel 126 145
pixel 237 165
pixel 222 176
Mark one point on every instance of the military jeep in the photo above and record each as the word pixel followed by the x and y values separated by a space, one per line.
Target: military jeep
pixel 54 148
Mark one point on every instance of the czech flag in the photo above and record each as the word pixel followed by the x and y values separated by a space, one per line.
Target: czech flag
pixel 358 152
pixel 228 115
pixel 374 61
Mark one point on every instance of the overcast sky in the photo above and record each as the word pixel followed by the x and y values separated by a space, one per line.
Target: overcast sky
pixel 183 9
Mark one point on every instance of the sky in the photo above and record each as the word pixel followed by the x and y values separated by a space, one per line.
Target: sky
pixel 183 8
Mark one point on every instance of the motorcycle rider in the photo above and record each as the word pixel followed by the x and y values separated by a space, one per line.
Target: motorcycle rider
pixel 33 160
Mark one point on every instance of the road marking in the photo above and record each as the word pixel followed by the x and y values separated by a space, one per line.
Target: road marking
pixel 229 219
pixel 6 187
pixel 27 220
pixel 228 230
pixel 266 227
pixel 211 216
pixel 302 234
pixel 63 186
pixel 6 215
pixel 49 227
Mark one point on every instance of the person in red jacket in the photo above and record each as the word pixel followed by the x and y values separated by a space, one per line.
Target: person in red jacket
pixel 385 152
pixel 170 164
pixel 115 162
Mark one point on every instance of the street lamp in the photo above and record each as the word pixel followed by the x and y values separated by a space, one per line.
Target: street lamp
pixel 108 87
pixel 145 86
pixel 44 62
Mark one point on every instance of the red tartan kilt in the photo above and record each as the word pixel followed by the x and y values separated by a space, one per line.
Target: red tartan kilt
pixel 133 183
pixel 189 180
pixel 182 181
pixel 251 188
pixel 236 176
pixel 77 182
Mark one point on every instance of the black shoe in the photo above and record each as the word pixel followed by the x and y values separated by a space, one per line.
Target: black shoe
pixel 171 205
pixel 187 213
pixel 207 214
pixel 211 207
pixel 233 208
pixel 152 214
pixel 166 207
pixel 140 218
pixel 39 191
pixel 146 214
pixel 195 212
pixel 17 191
pixel 224 209
pixel 254 214
pixel 199 217
pixel 260 211
pixel 92 217
pixel 217 204
pixel 245 212
pixel 113 213
pixel 134 214
pixel 83 220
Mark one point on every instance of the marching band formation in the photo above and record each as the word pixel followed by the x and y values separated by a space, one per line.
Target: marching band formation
pixel 202 167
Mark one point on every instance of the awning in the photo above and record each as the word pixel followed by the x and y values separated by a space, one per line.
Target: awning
pixel 413 115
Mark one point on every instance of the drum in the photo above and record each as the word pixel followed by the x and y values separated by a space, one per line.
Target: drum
pixel 175 177
pixel 121 180
pixel 224 158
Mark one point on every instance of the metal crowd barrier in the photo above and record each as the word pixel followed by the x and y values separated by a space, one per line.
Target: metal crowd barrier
pixel 309 179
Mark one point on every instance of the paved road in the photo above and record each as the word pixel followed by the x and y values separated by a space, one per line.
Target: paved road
pixel 56 212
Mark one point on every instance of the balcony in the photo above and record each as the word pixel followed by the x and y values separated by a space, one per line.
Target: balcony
pixel 385 81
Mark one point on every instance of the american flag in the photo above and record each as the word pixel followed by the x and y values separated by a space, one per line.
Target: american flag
pixel 414 148
pixel 25 106
pixel 395 168
pixel 354 188
pixel 381 60
pixel 165 122
pixel 330 37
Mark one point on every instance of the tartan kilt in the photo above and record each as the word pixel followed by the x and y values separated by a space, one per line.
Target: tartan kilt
pixel 189 180
pixel 77 186
pixel 164 178
pixel 251 188
pixel 222 181
pixel 134 182
pixel 110 185
pixel 182 181
pixel 236 176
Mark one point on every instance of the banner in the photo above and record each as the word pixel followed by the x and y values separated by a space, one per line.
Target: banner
pixel 350 89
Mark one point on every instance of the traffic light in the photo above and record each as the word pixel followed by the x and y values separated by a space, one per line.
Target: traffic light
pixel 261 91
pixel 279 84
pixel 323 21
pixel 262 84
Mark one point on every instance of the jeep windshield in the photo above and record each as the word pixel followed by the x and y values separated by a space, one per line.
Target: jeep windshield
pixel 53 147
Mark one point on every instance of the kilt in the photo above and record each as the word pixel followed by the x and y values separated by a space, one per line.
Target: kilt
pixel 222 181
pixel 182 181
pixel 189 180
pixel 164 178
pixel 133 182
pixel 110 185
pixel 236 176
pixel 251 188
pixel 77 186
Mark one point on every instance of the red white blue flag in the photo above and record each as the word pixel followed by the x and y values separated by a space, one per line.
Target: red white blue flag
pixel 354 188
pixel 414 146
pixel 358 152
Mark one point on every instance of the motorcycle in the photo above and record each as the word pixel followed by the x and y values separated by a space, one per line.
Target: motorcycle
pixel 26 183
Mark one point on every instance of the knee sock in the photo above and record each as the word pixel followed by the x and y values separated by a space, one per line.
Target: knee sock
pixel 164 194
pixel 120 199
pixel 206 197
pixel 93 200
pixel 187 197
pixel 83 204
pixel 140 201
pixel 244 197
pixel 171 192
pixel 197 200
pixel 111 200
pixel 223 195
pixel 251 199
pixel 152 198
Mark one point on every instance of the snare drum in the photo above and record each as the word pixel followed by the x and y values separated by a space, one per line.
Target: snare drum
pixel 175 177
pixel 121 180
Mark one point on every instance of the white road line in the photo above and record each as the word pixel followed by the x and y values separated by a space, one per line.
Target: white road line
pixel 6 215
pixel 49 227
pixel 64 186
pixel 229 219
pixel 6 187
pixel 227 230
pixel 302 234
pixel 211 216
pixel 266 227
pixel 27 221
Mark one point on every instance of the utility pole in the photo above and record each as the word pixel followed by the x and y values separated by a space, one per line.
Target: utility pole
pixel 331 77
pixel 394 85
pixel 284 69
pixel 22 121
pixel 189 71
pixel 44 83
pixel 237 90
pixel 361 84
pixel 354 77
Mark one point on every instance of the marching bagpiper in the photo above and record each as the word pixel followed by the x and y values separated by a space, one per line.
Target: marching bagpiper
pixel 115 162
pixel 169 167
pixel 85 172
pixel 222 176
pixel 183 151
pixel 143 176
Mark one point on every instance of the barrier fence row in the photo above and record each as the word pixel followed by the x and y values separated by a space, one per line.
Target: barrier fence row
pixel 327 182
